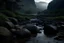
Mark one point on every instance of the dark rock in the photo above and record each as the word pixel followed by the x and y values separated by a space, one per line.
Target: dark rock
pixel 4 31
pixel 6 24
pixel 5 35
pixel 23 33
pixel 13 20
pixel 60 38
pixel 49 31
pixel 33 29
pixel 56 4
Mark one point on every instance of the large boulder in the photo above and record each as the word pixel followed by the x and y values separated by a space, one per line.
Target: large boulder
pixel 50 30
pixel 13 20
pixel 5 35
pixel 7 24
pixel 23 33
pixel 33 29
pixel 4 31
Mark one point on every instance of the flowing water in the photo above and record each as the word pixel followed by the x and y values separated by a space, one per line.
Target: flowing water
pixel 41 38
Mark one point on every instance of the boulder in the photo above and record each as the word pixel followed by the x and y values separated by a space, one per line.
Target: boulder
pixel 49 30
pixel 5 35
pixel 4 31
pixel 13 20
pixel 33 29
pixel 6 24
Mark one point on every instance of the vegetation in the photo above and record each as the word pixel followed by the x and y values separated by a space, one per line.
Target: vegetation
pixel 9 8
pixel 3 17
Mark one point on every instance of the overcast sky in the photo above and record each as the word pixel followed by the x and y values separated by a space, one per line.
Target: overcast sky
pixel 47 1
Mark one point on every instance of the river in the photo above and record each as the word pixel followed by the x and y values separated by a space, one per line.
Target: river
pixel 41 38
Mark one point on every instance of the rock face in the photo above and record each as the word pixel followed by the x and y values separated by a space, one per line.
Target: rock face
pixel 56 4
pixel 28 5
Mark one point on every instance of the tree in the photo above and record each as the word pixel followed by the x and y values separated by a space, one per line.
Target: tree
pixel 10 4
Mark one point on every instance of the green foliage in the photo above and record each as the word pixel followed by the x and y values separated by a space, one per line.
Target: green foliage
pixel 22 18
pixel 58 12
pixel 8 13
pixel 60 18
pixel 28 12
pixel 3 17
pixel 17 15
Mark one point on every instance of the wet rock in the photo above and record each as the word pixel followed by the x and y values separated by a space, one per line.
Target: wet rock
pixel 6 24
pixel 49 31
pixel 23 33
pixel 33 29
pixel 59 38
pixel 4 31
pixel 5 35
pixel 60 34
pixel 18 32
pixel 13 20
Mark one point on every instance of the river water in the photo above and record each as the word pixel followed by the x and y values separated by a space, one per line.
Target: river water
pixel 41 38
